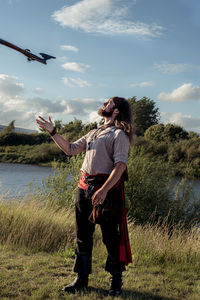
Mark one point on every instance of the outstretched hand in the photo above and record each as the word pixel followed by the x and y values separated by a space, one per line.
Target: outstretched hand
pixel 47 125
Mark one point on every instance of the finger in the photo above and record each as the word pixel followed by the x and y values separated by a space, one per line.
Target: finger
pixel 94 200
pixel 94 196
pixel 42 119
pixel 97 200
pixel 50 120
pixel 41 126
pixel 38 122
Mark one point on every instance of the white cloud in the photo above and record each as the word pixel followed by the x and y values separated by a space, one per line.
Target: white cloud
pixel 81 107
pixel 15 106
pixel 67 82
pixel 9 86
pixel 46 105
pixel 105 17
pixel 15 103
pixel 186 121
pixel 64 106
pixel 142 84
pixel 74 82
pixel 80 82
pixel 19 104
pixel 174 69
pixel 185 92
pixel 94 117
pixel 76 67
pixel 22 119
pixel 38 90
pixel 69 48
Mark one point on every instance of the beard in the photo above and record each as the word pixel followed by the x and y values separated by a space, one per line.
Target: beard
pixel 103 113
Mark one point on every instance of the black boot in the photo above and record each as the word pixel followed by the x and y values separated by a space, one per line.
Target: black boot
pixel 80 283
pixel 116 284
pixel 82 266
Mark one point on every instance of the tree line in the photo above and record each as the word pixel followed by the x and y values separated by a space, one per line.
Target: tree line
pixel 168 143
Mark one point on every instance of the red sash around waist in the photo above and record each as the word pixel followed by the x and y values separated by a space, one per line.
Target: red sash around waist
pixel 125 249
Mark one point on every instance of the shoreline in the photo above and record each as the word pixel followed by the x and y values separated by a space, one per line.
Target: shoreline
pixel 52 163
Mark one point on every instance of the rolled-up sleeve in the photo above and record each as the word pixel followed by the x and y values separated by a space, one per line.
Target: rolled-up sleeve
pixel 121 147
pixel 78 146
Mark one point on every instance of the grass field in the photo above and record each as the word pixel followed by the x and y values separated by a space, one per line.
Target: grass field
pixel 37 254
pixel 25 275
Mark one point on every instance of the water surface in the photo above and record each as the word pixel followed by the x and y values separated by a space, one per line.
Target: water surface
pixel 15 178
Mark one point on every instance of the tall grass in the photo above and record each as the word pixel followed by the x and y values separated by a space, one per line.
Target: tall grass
pixel 35 226
pixel 40 228
pixel 152 244
pixel 45 222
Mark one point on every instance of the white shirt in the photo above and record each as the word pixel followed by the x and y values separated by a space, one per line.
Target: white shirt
pixel 102 153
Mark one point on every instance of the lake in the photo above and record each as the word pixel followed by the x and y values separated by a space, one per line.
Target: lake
pixel 15 178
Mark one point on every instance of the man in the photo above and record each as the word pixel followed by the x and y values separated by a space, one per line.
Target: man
pixel 100 196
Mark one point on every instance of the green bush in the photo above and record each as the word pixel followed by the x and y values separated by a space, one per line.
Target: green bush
pixel 151 193
pixel 155 133
pixel 176 153
pixel 15 139
pixel 147 190
pixel 59 190
pixel 45 153
pixel 174 132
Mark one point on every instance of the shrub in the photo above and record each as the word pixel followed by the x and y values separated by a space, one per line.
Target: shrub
pixel 155 133
pixel 174 132
pixel 15 139
pixel 59 190
pixel 45 153
pixel 176 153
pixel 152 194
pixel 147 190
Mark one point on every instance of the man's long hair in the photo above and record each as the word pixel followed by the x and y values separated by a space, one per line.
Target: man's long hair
pixel 124 119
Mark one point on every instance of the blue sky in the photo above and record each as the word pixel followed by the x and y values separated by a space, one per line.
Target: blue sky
pixel 103 48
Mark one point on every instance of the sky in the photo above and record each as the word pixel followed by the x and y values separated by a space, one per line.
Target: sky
pixel 103 48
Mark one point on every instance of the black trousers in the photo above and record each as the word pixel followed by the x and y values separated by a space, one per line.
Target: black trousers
pixel 84 234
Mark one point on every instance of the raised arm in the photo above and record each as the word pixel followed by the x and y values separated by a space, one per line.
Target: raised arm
pixel 63 144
